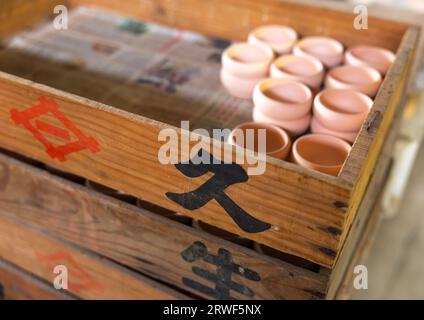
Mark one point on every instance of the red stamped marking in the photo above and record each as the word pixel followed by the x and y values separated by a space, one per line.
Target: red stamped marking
pixel 78 278
pixel 46 106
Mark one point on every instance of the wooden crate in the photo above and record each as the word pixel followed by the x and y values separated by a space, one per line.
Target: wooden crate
pixel 310 214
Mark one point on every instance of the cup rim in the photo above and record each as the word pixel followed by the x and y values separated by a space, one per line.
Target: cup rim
pixel 279 81
pixel 385 52
pixel 375 74
pixel 262 125
pixel 319 104
pixel 227 56
pixel 333 42
pixel 286 29
pixel 320 67
pixel 340 141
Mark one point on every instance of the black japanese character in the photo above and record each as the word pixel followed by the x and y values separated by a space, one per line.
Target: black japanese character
pixel 223 276
pixel 225 175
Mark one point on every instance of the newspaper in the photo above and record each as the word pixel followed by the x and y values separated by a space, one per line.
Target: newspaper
pixel 162 73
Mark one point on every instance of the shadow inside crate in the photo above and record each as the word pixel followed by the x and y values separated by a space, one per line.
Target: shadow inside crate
pixel 157 72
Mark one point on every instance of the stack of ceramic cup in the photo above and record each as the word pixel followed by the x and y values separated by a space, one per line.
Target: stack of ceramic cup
pixel 305 69
pixel 243 66
pixel 285 94
pixel 285 103
pixel 340 113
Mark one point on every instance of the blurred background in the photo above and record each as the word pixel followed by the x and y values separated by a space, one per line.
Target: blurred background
pixel 396 263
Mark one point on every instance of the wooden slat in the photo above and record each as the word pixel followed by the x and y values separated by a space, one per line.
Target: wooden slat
pixel 17 284
pixel 89 276
pixel 363 158
pixel 136 238
pixel 361 254
pixel 301 205
pixel 366 209
pixel 234 19
pixel 19 14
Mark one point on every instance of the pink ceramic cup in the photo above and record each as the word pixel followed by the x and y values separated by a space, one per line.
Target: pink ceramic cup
pixel 341 109
pixel 238 86
pixel 321 152
pixel 247 60
pixel 305 69
pixel 293 127
pixel 317 127
pixel 278 142
pixel 360 78
pixel 328 50
pixel 378 58
pixel 282 99
pixel 280 38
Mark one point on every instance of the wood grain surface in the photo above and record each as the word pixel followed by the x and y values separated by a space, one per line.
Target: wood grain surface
pixel 16 15
pixel 234 19
pixel 17 284
pixel 89 275
pixel 140 240
pixel 300 205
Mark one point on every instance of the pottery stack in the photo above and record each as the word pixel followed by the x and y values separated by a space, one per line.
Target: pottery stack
pixel 340 113
pixel 309 86
pixel 285 103
pixel 243 66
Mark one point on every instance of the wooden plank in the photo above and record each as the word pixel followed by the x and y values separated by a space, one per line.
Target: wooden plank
pixel 360 255
pixel 235 18
pixel 366 209
pixel 19 14
pixel 369 142
pixel 17 284
pixel 300 205
pixel 363 157
pixel 141 240
pixel 89 276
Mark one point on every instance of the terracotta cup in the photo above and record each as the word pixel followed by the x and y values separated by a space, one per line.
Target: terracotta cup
pixel 294 127
pixel 240 87
pixel 278 142
pixel 378 58
pixel 342 109
pixel 305 69
pixel 318 127
pixel 279 38
pixel 321 152
pixel 282 99
pixel 247 60
pixel 360 78
pixel 328 50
